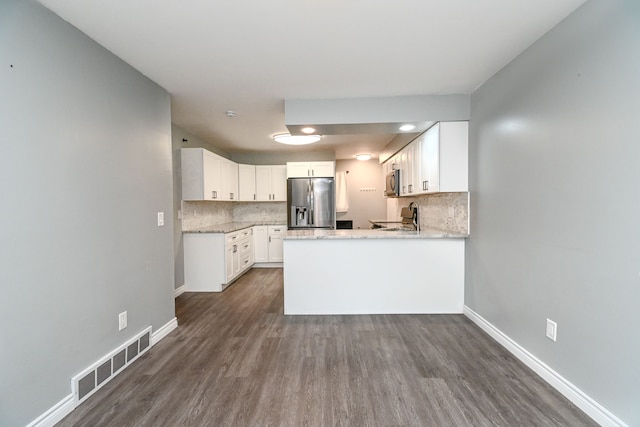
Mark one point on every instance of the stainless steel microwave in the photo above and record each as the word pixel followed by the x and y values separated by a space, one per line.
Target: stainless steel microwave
pixel 392 184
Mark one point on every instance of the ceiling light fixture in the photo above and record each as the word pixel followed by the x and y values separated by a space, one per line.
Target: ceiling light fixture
pixel 308 130
pixel 230 113
pixel 407 128
pixel 363 157
pixel 286 138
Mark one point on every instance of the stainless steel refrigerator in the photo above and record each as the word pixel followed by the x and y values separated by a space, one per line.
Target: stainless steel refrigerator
pixel 311 203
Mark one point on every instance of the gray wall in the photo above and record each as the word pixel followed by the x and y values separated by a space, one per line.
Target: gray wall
pixel 363 205
pixel 85 167
pixel 555 185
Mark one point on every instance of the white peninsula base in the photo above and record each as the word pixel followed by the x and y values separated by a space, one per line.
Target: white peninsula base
pixel 373 276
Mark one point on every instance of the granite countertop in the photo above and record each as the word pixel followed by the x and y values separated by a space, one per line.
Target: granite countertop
pixel 230 227
pixel 380 233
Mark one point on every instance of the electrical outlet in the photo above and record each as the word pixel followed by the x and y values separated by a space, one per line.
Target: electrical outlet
pixel 160 219
pixel 263 212
pixel 452 211
pixel 552 330
pixel 179 214
pixel 122 320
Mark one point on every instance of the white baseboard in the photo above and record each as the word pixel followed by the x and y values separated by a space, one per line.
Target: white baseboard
pixel 592 408
pixel 267 265
pixel 55 414
pixel 163 331
pixel 179 291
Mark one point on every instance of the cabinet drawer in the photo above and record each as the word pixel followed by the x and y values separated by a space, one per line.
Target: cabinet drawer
pixel 277 229
pixel 245 233
pixel 244 246
pixel 245 261
pixel 231 238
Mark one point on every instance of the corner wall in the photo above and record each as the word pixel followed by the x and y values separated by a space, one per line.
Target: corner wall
pixel 85 167
pixel 554 149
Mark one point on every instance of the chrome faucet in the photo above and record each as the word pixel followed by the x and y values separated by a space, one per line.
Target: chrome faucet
pixel 414 209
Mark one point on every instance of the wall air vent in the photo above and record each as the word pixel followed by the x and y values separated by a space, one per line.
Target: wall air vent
pixel 101 372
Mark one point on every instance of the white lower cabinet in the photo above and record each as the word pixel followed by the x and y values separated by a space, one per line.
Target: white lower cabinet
pixel 212 261
pixel 268 243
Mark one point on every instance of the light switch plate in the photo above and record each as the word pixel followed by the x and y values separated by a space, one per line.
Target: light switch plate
pixel 122 320
pixel 552 330
pixel 160 219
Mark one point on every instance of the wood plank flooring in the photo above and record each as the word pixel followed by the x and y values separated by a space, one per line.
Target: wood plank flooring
pixel 236 360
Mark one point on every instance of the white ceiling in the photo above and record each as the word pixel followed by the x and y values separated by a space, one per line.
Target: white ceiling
pixel 250 55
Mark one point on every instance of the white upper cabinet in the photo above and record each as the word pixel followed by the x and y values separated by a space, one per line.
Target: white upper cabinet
pixel 207 176
pixel 229 178
pixel 454 157
pixel 311 169
pixel 200 174
pixel 271 183
pixel 436 161
pixel 246 183
pixel 428 174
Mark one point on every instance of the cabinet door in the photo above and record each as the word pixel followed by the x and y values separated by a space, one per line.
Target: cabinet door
pixel 298 170
pixel 323 169
pixel 211 168
pixel 276 233
pixel 279 183
pixel 454 156
pixel 263 184
pixel 429 180
pixel 275 248
pixel 229 180
pixel 229 254
pixel 260 243
pixel 246 183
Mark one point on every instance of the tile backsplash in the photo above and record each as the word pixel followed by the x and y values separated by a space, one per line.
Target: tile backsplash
pixel 444 211
pixel 206 213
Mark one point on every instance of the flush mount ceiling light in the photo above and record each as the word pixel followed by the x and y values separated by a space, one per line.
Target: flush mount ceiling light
pixel 407 128
pixel 286 138
pixel 308 130
pixel 363 157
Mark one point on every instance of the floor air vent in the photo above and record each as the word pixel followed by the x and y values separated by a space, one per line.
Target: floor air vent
pixel 91 379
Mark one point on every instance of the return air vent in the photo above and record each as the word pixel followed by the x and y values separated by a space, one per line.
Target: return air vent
pixel 98 374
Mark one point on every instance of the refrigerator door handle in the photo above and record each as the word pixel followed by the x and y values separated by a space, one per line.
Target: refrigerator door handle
pixel 312 203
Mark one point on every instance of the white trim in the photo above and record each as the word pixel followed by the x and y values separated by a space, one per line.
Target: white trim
pixel 54 414
pixel 267 265
pixel 164 331
pixel 179 291
pixel 592 408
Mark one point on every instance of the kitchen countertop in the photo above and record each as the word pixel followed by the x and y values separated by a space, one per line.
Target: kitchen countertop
pixel 230 227
pixel 316 234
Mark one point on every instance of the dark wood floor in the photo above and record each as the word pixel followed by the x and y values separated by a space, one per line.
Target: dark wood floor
pixel 236 360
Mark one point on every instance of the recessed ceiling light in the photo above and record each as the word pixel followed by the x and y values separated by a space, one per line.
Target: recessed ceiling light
pixel 308 130
pixel 230 113
pixel 286 138
pixel 363 156
pixel 407 128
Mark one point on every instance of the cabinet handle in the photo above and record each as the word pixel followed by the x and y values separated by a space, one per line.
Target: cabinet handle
pixel 254 197
pixel 235 248
pixel 269 239
pixel 214 194
pixel 231 196
pixel 410 188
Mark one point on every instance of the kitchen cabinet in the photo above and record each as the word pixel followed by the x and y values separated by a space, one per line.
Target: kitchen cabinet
pixel 246 183
pixel 325 169
pixel 271 183
pixel 207 176
pixel 229 180
pixel 212 261
pixel 428 172
pixel 436 161
pixel 200 174
pixel 268 243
